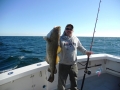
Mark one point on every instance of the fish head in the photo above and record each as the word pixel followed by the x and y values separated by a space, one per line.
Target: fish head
pixel 54 33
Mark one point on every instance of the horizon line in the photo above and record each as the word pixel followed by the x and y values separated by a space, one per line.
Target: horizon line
pixel 45 35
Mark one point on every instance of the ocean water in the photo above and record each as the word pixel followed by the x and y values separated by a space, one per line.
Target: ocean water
pixel 20 51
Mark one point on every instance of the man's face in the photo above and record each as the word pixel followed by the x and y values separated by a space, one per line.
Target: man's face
pixel 68 31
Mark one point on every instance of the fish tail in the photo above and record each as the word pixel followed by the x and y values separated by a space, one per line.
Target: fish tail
pixel 51 78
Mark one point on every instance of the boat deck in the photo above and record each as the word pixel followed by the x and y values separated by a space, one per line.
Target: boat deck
pixel 103 82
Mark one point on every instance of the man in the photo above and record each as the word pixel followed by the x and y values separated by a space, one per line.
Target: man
pixel 68 58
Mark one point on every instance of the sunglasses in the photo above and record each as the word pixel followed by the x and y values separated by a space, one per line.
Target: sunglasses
pixel 69 29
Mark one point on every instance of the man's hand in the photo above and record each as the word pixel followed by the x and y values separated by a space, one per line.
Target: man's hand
pixel 88 53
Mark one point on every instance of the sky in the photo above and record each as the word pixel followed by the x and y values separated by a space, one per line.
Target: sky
pixel 38 17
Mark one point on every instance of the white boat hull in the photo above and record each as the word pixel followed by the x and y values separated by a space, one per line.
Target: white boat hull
pixel 34 77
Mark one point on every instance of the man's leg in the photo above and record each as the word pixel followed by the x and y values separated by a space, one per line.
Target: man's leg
pixel 73 76
pixel 62 76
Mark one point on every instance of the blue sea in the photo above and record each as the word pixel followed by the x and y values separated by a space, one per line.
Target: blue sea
pixel 20 51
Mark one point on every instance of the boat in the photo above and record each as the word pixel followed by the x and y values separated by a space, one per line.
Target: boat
pixel 105 75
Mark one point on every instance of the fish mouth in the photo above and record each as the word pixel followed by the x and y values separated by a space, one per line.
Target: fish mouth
pixel 58 29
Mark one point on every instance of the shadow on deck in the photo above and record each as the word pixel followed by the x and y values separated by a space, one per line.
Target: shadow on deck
pixel 103 82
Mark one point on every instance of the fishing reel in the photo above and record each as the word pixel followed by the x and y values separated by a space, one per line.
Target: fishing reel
pixel 87 72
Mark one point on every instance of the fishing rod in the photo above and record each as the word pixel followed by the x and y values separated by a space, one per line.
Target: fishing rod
pixel 86 70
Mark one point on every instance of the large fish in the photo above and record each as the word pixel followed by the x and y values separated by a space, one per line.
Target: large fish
pixel 52 50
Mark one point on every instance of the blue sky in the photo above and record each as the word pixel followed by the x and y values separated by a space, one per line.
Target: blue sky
pixel 38 17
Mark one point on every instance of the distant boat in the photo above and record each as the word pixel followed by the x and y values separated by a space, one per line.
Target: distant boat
pixel 105 75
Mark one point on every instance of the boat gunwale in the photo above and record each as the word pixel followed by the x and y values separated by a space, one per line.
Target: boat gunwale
pixel 30 69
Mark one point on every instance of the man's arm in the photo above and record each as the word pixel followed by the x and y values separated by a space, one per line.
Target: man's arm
pixel 82 49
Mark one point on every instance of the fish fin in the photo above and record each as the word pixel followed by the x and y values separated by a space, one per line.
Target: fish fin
pixel 47 60
pixel 57 59
pixel 47 39
pixel 51 78
pixel 58 49
pixel 55 70
pixel 49 69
